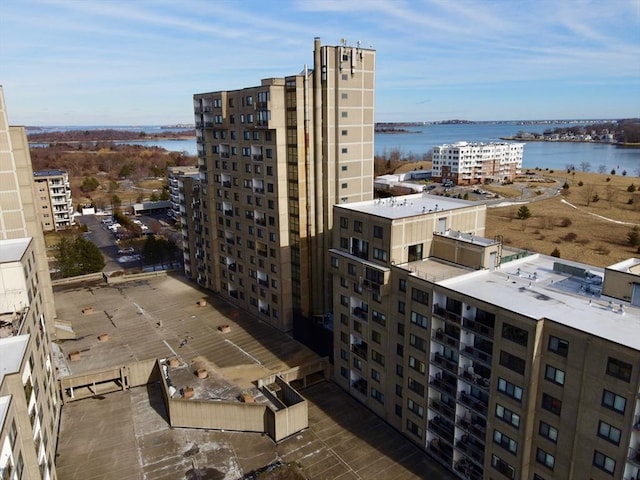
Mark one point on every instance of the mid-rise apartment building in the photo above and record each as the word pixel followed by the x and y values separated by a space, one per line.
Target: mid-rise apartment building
pixel 175 176
pixel 468 163
pixel 29 409
pixel 274 159
pixel 500 363
pixel 53 199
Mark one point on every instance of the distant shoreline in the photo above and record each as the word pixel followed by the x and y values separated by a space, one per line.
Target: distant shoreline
pixel 549 140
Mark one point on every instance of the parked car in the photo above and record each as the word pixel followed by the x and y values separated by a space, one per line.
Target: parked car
pixel 126 251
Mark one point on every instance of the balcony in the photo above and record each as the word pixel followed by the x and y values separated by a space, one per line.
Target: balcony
pixel 445 339
pixel 478 327
pixel 360 385
pixel 443 408
pixel 262 253
pixel 474 403
pixel 229 212
pixel 446 314
pixel 476 354
pixel 258 190
pixel 257 158
pixel 445 363
pixel 446 387
pixel 471 448
pixel 468 469
pixel 264 283
pixel 360 313
pixel 226 184
pixel 475 379
pixel 475 428
pixel 634 456
pixel 360 349
pixel 261 221
pixel 441 427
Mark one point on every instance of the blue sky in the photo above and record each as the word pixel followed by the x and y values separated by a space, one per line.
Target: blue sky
pixel 124 62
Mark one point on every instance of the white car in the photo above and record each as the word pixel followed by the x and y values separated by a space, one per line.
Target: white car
pixel 126 251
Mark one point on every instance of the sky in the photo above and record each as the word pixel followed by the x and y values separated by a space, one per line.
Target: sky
pixel 124 62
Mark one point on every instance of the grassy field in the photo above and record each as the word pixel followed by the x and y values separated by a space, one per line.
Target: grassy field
pixel 582 229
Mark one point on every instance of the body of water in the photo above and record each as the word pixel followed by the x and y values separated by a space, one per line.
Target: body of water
pixel 419 140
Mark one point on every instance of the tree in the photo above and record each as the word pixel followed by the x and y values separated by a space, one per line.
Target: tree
pixel 154 197
pixel 89 184
pixel 633 236
pixel 602 169
pixel 631 188
pixel 116 201
pixel 157 250
pixel 585 167
pixel 613 171
pixel 523 213
pixel 555 253
pixel 78 257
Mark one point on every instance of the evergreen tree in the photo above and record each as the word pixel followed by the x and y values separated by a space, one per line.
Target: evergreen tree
pixel 78 257
pixel 523 212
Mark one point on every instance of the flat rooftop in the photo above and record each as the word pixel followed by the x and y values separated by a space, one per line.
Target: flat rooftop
pixel 533 288
pixel 408 205
pixel 127 435
pixel 12 352
pixel 631 265
pixel 12 250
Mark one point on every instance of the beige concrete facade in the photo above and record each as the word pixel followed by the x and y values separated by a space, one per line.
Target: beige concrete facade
pixel 273 160
pixel 29 406
pixel 499 367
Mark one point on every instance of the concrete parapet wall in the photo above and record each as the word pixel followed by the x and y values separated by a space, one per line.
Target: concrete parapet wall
pixel 89 277
pixel 134 276
pixel 143 372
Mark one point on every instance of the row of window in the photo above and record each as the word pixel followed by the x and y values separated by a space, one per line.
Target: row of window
pixel 378 231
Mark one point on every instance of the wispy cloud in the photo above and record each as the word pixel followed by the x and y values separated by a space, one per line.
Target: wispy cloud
pixel 150 56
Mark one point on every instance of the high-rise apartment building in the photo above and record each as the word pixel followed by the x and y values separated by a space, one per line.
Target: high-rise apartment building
pixel 175 176
pixel 53 199
pixel 29 407
pixel 274 159
pixel 467 163
pixel 500 363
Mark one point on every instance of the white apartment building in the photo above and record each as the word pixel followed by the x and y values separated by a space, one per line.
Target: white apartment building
pixel 466 163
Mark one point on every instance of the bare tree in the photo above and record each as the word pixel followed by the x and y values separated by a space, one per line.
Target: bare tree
pixel 585 166
pixel 588 190
pixel 611 193
pixel 602 169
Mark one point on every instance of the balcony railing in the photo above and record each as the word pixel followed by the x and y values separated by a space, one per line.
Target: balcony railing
pixel 360 350
pixel 448 388
pixel 441 427
pixel 478 327
pixel 474 428
pixel 257 158
pixel 475 379
pixel 360 313
pixel 360 385
pixel 447 314
pixel 471 448
pixel 476 354
pixel 469 470
pixel 445 339
pixel 443 408
pixel 474 403
pixel 445 363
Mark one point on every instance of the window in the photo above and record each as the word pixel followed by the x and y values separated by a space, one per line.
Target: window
pixel 509 389
pixel 603 462
pixel 503 467
pixel 420 296
pixel 402 285
pixel 399 371
pixel 505 442
pixel 515 334
pixel 613 401
pixel 377 357
pixel 375 375
pixel 351 268
pixel 344 133
pixel 377 231
pixel 609 433
pixel 344 371
pixel 398 410
pixel 548 431
pixel 401 307
pixel 377 395
pixel 415 386
pixel 379 318
pixel 343 114
pixel 380 254
pixel 344 355
pixel 418 319
pixel 413 428
pixel 415 408
pixel 417 365
pixel 559 346
pixel 554 375
pixel 344 185
pixel 418 343
pixel 507 415
pixel 545 458
pixel 344 150
pixel 551 404
pixel 357 226
pixel 512 362
pixel 375 336
pixel 344 222
pixel 415 252
pixel 619 369
pixel 399 390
